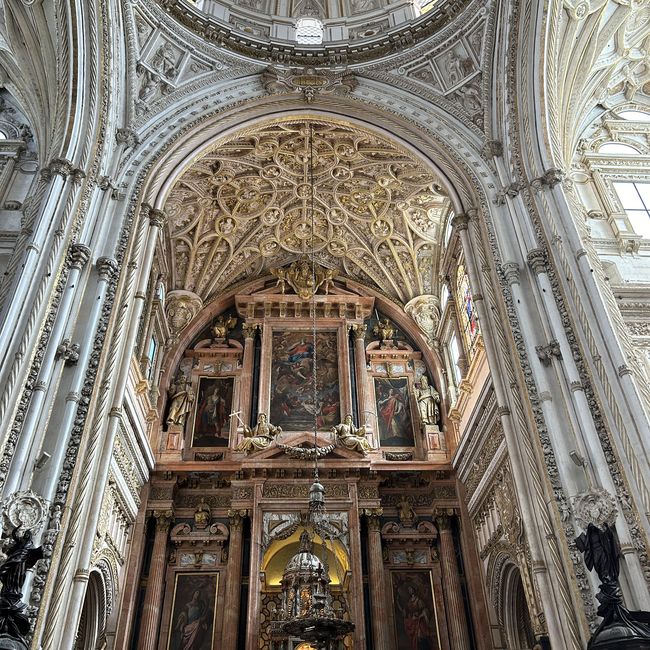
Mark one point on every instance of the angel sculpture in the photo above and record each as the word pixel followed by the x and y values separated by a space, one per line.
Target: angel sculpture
pixel 351 437
pixel 260 436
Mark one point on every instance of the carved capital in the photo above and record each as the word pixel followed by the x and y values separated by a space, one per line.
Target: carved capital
pixel 536 260
pixel 163 519
pixel 68 351
pixel 157 218
pixel 373 518
pixel 249 329
pixel 79 255
pixel 59 167
pixel 358 330
pixel 107 268
pixel 443 521
pixel 550 178
pixel 237 517
pixel 545 353
pixel 507 192
pixel 127 137
pixel 511 272
pixel 492 149
pixel 460 222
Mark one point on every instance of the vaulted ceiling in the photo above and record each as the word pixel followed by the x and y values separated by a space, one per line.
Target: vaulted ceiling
pixel 244 207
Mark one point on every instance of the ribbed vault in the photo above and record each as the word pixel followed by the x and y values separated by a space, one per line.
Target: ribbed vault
pixel 244 207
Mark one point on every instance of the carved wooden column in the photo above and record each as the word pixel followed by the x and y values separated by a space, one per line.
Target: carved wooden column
pixel 246 380
pixel 149 626
pixel 456 619
pixel 377 581
pixel 233 585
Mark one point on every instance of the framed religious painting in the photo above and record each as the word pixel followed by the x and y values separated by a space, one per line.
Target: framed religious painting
pixel 416 625
pixel 213 406
pixel 193 611
pixel 292 403
pixel 394 412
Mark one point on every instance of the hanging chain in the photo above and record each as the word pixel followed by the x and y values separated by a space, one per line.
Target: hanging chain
pixel 313 279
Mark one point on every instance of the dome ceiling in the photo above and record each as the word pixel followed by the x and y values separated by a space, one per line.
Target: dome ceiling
pixel 244 207
pixel 352 30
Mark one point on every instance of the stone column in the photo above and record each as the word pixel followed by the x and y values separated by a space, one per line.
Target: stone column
pixel 149 625
pixel 377 581
pixel 246 380
pixel 456 619
pixel 359 331
pixel 233 586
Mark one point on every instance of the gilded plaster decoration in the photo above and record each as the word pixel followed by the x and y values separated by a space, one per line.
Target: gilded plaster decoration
pixel 244 208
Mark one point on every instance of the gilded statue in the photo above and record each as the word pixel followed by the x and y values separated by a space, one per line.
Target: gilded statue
pixel 202 515
pixel 384 330
pixel 351 437
pixel 427 398
pixel 181 400
pixel 304 279
pixel 260 436
pixel 223 326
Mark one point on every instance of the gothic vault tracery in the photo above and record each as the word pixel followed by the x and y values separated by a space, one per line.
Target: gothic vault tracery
pixel 244 207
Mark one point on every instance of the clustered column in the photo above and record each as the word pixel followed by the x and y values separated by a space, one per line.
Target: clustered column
pixel 377 581
pixel 152 602
pixel 456 619
pixel 233 585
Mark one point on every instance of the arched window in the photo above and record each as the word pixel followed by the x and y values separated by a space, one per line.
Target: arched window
pixel 309 31
pixel 444 296
pixel 468 321
pixel 449 229
pixel 618 148
pixel 454 356
pixel 635 199
pixel 634 116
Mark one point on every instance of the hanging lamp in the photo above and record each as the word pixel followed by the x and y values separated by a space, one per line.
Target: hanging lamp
pixel 306 610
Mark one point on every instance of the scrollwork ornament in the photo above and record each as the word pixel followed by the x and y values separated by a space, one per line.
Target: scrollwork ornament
pixel 597 507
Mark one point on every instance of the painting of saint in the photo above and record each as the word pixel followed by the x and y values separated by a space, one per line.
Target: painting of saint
pixel 393 412
pixel 415 616
pixel 292 393
pixel 191 626
pixel 213 409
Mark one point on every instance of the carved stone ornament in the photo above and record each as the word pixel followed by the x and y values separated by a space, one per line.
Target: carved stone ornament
pixel 308 81
pixel 424 310
pixel 595 507
pixel 306 453
pixel 25 510
pixel 181 307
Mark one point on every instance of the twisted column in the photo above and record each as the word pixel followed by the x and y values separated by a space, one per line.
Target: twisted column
pixel 148 638
pixel 456 619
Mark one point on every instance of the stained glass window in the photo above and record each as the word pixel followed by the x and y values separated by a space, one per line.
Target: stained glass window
pixel 469 321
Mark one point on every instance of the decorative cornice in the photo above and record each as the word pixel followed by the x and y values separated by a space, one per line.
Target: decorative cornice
pixel 342 53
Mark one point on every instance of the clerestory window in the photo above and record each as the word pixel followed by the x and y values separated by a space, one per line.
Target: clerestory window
pixel 635 199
